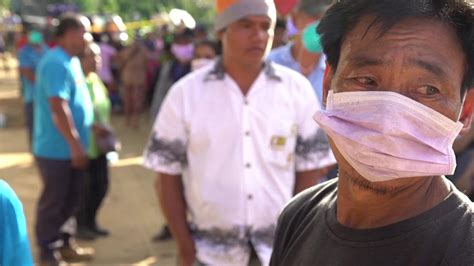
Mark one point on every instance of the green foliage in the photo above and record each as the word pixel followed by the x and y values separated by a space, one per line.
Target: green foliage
pixel 130 10
pixel 5 4
pixel 201 10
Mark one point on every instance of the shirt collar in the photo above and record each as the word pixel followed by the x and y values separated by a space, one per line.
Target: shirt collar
pixel 218 71
pixel 63 52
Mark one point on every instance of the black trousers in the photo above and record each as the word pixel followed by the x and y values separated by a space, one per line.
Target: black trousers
pixel 29 120
pixel 95 189
pixel 59 200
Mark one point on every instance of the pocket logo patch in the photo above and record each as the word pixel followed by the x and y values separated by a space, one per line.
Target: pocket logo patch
pixel 278 142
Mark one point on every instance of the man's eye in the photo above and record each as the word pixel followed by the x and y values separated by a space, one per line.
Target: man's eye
pixel 366 81
pixel 428 90
pixel 266 27
pixel 246 25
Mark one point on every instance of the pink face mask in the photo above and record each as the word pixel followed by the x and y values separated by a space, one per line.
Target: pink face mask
pixel 183 52
pixel 385 135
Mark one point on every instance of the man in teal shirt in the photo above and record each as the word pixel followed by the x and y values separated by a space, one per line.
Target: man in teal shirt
pixel 63 119
pixel 29 57
pixel 14 244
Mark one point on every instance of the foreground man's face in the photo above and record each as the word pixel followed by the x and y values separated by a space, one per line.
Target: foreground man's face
pixel 418 58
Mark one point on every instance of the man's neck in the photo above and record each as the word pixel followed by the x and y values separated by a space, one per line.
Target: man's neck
pixel 66 49
pixel 362 208
pixel 244 76
pixel 307 61
pixel 296 49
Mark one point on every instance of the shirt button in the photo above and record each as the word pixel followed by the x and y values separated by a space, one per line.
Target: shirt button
pixel 248 165
pixel 250 196
pixel 246 102
pixel 247 133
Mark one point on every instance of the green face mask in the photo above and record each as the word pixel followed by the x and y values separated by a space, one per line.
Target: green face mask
pixel 311 39
pixel 35 37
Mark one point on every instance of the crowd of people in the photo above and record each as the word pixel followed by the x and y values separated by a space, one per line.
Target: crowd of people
pixel 361 98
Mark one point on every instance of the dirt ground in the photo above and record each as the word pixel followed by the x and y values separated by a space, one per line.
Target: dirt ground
pixel 130 211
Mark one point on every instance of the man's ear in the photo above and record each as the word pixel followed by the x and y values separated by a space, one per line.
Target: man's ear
pixel 467 111
pixel 328 75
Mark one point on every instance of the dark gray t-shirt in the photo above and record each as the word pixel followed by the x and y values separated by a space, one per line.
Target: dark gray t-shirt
pixel 308 233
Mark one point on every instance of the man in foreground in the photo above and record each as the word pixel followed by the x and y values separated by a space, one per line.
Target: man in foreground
pixel 395 90
pixel 233 142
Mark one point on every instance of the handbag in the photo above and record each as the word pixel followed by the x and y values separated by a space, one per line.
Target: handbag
pixel 106 139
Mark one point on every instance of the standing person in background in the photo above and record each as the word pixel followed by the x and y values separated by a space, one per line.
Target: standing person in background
pixel 3 50
pixel 233 142
pixel 182 51
pixel 97 178
pixel 109 72
pixel 14 243
pixel 21 39
pixel 154 45
pixel 107 55
pixel 200 33
pixel 63 120
pixel 133 62
pixel 281 34
pixel 291 55
pixel 204 55
pixel 29 57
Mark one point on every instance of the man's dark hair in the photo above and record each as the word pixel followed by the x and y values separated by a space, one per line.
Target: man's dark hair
pixel 280 23
pixel 67 23
pixel 342 17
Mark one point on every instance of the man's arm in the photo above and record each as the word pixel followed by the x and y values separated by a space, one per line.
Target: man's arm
pixel 62 118
pixel 28 73
pixel 169 189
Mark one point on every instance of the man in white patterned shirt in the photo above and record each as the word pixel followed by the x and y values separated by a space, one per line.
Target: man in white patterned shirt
pixel 233 143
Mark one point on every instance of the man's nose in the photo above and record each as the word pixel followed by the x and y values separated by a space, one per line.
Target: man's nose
pixel 259 34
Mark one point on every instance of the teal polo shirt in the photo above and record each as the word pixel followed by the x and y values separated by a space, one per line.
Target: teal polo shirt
pixel 29 57
pixel 14 244
pixel 60 75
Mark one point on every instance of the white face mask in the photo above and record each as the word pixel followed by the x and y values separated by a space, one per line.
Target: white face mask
pixel 385 135
pixel 200 63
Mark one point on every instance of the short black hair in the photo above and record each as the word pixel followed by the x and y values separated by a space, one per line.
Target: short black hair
pixel 342 17
pixel 67 23
pixel 280 23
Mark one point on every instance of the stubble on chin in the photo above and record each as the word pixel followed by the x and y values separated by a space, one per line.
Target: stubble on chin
pixel 380 188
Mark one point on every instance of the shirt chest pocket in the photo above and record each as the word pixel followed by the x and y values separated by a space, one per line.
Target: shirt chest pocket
pixel 281 143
